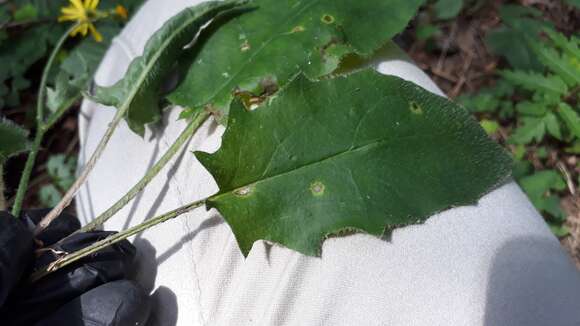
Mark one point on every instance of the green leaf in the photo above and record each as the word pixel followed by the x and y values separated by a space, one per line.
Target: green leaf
pixel 559 230
pixel 13 140
pixel 490 126
pixel 553 125
pixel 140 89
pixel 565 69
pixel 49 195
pixel 569 46
pixel 482 102
pixel 261 51
pixel 537 109
pixel 510 40
pixel 532 128
pixel 536 82
pixel 571 118
pixel 367 152
pixel 61 170
pixel 447 9
pixel 64 91
pixel 521 169
pixel 537 185
pixel 83 60
pixel 25 13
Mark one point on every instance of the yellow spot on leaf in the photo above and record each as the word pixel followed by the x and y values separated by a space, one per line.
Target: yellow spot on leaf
pixel 245 46
pixel 327 19
pixel 317 188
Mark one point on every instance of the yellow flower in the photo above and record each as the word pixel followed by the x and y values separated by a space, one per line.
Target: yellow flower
pixel 83 12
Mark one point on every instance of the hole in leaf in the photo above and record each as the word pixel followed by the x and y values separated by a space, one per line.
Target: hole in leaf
pixel 415 108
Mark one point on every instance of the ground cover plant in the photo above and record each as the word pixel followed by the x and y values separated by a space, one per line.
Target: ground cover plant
pixel 510 63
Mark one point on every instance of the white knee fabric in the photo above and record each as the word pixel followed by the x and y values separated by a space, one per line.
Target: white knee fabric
pixel 494 263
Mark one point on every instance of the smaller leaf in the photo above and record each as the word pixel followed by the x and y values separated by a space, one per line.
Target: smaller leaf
pixel 569 72
pixel 571 119
pixel 13 140
pixel 569 46
pixel 64 90
pixel 551 205
pixel 26 13
pixel 49 195
pixel 482 102
pixel 510 39
pixel 61 170
pixel 559 230
pixel 532 128
pixel 490 126
pixel 541 182
pixel 531 108
pixel 521 169
pixel 553 125
pixel 536 82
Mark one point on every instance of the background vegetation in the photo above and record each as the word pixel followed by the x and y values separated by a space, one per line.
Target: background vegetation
pixel 514 64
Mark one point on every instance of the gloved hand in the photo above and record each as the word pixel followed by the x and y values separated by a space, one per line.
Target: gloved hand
pixel 92 291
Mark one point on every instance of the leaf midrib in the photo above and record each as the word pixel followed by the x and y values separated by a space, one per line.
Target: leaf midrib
pixel 155 58
pixel 350 150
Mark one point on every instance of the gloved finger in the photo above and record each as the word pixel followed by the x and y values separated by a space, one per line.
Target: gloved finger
pixel 117 303
pixel 16 252
pixel 34 301
pixel 61 227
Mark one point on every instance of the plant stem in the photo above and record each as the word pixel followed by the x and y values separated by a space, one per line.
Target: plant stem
pixel 151 173
pixel 2 198
pixel 41 127
pixel 25 178
pixel 75 256
pixel 67 198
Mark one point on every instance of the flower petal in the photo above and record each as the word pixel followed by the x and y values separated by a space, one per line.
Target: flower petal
pixel 94 4
pixel 77 4
pixel 98 37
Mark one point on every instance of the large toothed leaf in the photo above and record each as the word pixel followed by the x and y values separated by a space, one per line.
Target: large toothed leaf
pixel 260 51
pixel 13 140
pixel 366 152
pixel 140 89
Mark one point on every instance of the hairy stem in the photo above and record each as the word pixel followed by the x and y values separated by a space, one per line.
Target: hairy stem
pixel 40 124
pixel 25 178
pixel 151 173
pixel 2 189
pixel 67 198
pixel 75 256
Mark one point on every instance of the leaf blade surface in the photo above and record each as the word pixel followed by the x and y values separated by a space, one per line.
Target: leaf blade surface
pixel 140 89
pixel 261 51
pixel 365 152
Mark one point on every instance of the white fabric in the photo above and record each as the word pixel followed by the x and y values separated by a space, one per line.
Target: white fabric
pixel 494 263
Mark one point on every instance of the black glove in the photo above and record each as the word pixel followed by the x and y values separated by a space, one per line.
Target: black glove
pixel 92 291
